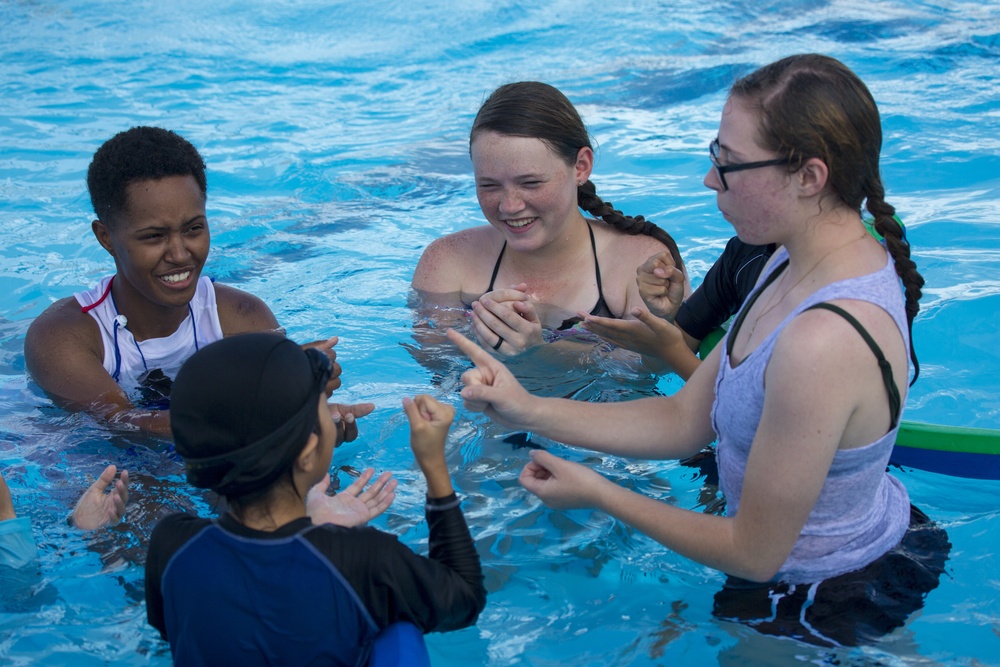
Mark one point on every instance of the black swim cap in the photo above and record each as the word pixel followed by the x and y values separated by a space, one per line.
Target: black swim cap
pixel 242 409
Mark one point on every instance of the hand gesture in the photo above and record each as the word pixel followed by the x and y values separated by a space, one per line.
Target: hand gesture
pixel 648 335
pixel 661 285
pixel 559 483
pixel 97 507
pixel 506 321
pixel 490 388
pixel 326 347
pixel 355 505
pixel 345 419
pixel 430 420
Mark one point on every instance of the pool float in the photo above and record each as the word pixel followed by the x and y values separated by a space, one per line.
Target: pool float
pixel 949 450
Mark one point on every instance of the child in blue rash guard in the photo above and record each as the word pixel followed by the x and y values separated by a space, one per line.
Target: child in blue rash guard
pixel 267 582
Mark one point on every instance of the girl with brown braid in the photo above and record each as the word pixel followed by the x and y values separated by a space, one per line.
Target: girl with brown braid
pixel 803 396
pixel 550 265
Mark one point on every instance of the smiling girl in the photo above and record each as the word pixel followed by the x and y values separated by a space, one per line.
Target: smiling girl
pixel 539 264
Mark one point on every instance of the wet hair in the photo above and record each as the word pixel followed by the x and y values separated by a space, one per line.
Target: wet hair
pixel 814 106
pixel 539 111
pixel 138 154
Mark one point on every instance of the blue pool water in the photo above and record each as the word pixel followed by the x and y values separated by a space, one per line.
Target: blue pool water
pixel 336 139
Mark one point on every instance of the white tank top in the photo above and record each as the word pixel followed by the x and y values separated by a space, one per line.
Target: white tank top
pixel 146 370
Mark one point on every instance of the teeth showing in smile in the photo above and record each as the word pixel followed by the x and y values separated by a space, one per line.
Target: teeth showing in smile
pixel 176 277
pixel 523 222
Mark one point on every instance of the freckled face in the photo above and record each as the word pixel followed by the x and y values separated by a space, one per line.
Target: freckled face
pixel 160 243
pixel 524 189
pixel 757 200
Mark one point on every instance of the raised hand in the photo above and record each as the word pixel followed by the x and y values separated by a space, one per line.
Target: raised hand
pixel 326 347
pixel 355 505
pixel 490 388
pixel 430 420
pixel 661 285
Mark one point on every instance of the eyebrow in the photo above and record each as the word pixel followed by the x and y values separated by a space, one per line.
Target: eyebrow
pixel 728 149
pixel 183 224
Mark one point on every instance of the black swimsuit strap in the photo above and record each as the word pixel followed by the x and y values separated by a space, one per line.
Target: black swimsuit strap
pixel 496 268
pixel 601 303
pixel 600 307
pixel 895 403
pixel 749 304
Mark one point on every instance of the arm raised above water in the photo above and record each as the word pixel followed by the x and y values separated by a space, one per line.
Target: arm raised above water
pixel 655 428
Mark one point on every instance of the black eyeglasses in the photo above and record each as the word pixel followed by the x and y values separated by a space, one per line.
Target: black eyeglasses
pixel 722 170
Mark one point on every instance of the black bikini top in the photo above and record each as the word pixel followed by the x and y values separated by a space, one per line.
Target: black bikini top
pixel 600 309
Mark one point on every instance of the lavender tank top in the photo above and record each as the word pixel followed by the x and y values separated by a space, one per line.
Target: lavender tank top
pixel 862 511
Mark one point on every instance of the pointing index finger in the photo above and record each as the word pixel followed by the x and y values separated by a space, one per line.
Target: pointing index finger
pixel 478 355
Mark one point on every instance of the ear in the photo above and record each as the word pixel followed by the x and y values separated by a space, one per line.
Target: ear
pixel 812 177
pixel 307 460
pixel 584 164
pixel 103 235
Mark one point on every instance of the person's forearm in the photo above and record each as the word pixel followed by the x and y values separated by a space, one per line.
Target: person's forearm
pixel 438 479
pixel 463 596
pixel 650 428
pixel 156 422
pixel 704 538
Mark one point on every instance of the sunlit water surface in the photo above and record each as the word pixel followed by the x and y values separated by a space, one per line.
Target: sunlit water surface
pixel 336 139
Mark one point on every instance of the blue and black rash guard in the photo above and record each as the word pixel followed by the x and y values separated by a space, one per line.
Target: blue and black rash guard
pixel 222 593
pixel 724 288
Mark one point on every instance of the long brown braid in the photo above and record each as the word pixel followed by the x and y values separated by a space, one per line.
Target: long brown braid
pixel 540 111
pixel 814 106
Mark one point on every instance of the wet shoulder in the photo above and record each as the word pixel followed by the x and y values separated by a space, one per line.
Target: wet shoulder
pixel 241 312
pixel 63 325
pixel 453 261
pixel 624 251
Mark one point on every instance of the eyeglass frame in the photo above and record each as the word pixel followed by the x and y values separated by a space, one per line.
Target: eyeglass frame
pixel 722 170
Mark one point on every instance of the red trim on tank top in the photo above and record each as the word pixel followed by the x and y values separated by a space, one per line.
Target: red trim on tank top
pixel 87 309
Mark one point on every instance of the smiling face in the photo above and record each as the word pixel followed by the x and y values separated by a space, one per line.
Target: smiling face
pixel 524 189
pixel 757 200
pixel 160 244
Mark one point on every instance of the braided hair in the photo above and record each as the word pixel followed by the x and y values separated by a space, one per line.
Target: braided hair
pixel 814 106
pixel 540 111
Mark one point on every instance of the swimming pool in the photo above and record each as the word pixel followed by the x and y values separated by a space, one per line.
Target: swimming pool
pixel 335 135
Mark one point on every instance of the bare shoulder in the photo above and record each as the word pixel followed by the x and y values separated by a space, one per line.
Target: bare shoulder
pixel 241 312
pixel 61 340
pixel 635 248
pixel 62 326
pixel 450 262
